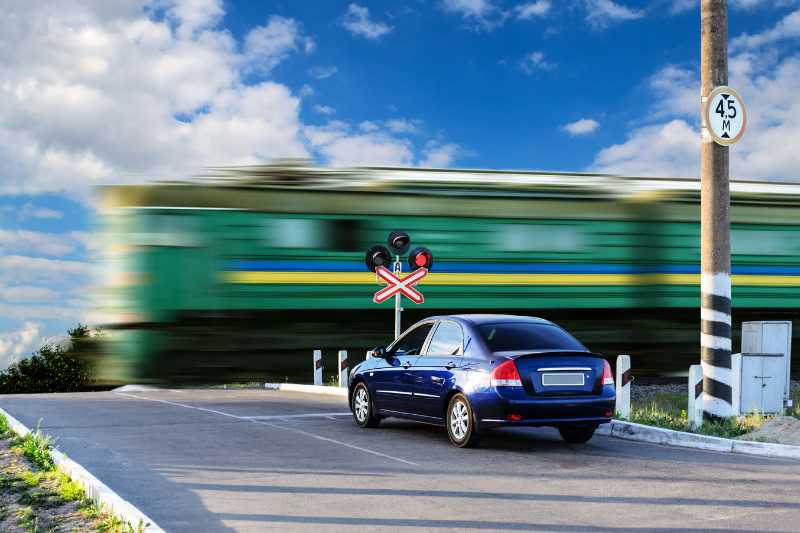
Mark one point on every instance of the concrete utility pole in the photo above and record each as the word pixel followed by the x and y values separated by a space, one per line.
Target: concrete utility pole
pixel 715 249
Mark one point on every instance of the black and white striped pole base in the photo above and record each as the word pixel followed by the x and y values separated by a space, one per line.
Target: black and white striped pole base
pixel 715 345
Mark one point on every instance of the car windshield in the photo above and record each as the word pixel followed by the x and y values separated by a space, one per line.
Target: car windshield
pixel 516 337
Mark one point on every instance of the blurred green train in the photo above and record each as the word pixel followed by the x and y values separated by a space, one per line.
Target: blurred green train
pixel 239 276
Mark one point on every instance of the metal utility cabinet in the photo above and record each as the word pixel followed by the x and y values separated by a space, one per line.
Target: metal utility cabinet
pixel 764 367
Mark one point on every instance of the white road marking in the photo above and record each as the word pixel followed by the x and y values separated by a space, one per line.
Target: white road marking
pixel 302 415
pixel 263 423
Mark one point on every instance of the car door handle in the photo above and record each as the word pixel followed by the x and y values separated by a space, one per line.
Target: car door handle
pixel 450 365
pixel 407 365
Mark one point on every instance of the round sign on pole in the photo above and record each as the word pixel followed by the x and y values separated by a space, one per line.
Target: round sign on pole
pixel 725 115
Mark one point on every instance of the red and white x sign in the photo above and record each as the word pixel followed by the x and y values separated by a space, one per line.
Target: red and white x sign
pixel 396 284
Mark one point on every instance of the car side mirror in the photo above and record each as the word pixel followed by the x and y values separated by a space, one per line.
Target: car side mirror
pixel 380 351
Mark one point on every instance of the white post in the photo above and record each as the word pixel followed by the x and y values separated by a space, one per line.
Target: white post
pixel 398 270
pixel 317 367
pixel 736 384
pixel 623 385
pixel 695 409
pixel 343 368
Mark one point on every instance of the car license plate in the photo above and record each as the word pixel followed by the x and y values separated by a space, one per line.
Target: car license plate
pixel 562 379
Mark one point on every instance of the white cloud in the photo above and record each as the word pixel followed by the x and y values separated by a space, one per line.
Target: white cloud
pixel 529 10
pixel 342 147
pixel 583 126
pixel 24 241
pixel 402 125
pixel 324 109
pixel 602 13
pixel 678 91
pixel 322 72
pixel 267 46
pixel 439 155
pixel 95 97
pixel 356 21
pixel 481 14
pixel 28 211
pixel 16 345
pixel 368 126
pixel 535 61
pixel 681 6
pixel 27 293
pixel 671 148
pixel 20 269
pixel 786 28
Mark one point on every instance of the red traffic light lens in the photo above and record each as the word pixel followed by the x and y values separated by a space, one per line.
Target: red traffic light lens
pixel 420 257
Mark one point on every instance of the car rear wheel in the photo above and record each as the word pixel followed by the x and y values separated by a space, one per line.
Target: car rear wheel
pixel 363 410
pixel 577 434
pixel 460 422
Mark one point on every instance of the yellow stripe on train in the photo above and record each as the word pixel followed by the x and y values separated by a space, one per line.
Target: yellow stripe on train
pixel 446 278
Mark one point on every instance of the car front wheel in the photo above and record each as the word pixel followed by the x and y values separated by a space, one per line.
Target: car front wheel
pixel 460 422
pixel 363 410
pixel 577 434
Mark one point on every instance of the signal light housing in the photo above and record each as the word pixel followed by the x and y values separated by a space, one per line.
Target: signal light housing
pixel 398 242
pixel 506 375
pixel 608 376
pixel 378 256
pixel 420 257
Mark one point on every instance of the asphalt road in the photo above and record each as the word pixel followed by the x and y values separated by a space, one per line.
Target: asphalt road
pixel 252 460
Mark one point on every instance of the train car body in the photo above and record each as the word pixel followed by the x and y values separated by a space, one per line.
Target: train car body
pixel 238 276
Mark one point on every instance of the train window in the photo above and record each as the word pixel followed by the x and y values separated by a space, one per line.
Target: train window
pixel 341 235
pixel 540 237
pixel 296 233
pixel 167 229
pixel 764 242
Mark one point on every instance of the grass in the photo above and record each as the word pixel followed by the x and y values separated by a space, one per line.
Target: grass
pixel 45 486
pixel 668 410
pixel 795 411
pixel 35 446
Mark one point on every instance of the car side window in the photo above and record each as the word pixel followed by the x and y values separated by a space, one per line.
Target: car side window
pixel 411 343
pixel 447 339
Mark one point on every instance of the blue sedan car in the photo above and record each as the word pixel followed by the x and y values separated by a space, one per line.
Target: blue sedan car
pixel 474 372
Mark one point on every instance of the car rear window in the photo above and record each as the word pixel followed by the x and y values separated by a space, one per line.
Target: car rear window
pixel 527 337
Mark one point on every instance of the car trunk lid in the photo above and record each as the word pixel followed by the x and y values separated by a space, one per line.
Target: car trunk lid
pixel 559 373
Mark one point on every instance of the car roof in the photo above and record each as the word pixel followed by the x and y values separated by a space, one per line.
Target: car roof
pixel 480 319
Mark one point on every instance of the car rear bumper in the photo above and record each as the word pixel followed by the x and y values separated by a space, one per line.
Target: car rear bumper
pixel 492 409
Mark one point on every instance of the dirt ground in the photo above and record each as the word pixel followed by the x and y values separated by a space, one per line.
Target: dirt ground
pixel 781 429
pixel 27 509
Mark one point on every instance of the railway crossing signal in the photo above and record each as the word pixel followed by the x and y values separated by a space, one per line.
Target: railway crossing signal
pixel 378 258
pixel 397 285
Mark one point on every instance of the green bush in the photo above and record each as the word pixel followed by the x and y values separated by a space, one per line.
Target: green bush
pixel 50 369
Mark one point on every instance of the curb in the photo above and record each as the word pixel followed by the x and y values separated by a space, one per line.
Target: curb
pixel 639 432
pixel 95 489
pixel 314 389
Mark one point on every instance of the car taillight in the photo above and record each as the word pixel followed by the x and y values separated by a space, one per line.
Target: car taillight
pixel 608 377
pixel 506 375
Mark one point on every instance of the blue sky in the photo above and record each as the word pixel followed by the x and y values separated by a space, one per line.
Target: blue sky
pixel 96 92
